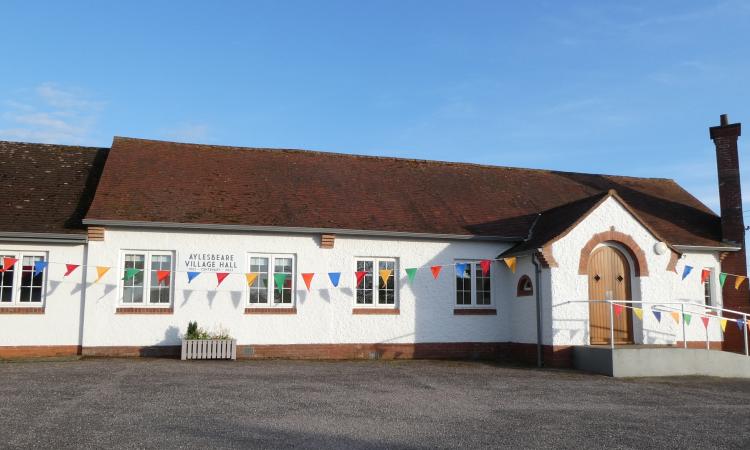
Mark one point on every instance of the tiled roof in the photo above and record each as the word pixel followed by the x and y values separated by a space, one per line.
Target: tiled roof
pixel 156 181
pixel 47 188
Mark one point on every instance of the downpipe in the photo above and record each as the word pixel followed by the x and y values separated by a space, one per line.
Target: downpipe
pixel 538 291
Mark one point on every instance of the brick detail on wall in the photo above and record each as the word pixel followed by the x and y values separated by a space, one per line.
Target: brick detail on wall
pixel 270 310
pixel 327 240
pixel 95 233
pixel 672 264
pixel 128 310
pixel 474 312
pixel 376 311
pixel 21 310
pixel 171 351
pixel 545 257
pixel 38 351
pixel 635 251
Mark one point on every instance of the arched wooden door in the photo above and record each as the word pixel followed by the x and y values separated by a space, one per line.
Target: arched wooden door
pixel 609 279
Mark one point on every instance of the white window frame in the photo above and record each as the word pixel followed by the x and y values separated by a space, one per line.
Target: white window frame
pixel 17 277
pixel 271 287
pixel 376 260
pixel 474 266
pixel 146 279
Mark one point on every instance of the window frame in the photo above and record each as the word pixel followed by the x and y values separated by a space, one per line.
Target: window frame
pixel 522 281
pixel 271 288
pixel 473 266
pixel 147 254
pixel 376 260
pixel 15 296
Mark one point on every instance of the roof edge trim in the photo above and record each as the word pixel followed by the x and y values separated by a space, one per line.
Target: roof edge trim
pixel 706 248
pixel 56 238
pixel 301 230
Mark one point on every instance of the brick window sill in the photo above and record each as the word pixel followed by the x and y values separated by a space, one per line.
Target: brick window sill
pixel 475 312
pixel 376 311
pixel 128 310
pixel 21 310
pixel 271 311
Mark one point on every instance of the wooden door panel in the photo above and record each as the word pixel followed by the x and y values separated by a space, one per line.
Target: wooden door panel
pixel 609 279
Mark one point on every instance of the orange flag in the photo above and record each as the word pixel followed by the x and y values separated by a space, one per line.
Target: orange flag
pixel 705 274
pixel 100 271
pixel 511 263
pixel 251 277
pixel 738 282
pixel 384 275
pixel 436 271
pixel 162 275
pixel 8 263
pixel 675 316
pixel 308 279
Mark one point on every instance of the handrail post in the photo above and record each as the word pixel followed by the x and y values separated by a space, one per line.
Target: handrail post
pixel 611 325
pixel 745 330
pixel 684 336
pixel 708 347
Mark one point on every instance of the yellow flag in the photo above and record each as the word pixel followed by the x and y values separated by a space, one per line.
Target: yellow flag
pixel 676 316
pixel 638 312
pixel 738 282
pixel 511 263
pixel 251 278
pixel 723 323
pixel 100 271
pixel 384 275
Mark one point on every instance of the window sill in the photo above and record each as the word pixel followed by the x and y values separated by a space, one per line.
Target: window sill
pixel 475 312
pixel 131 310
pixel 21 309
pixel 376 311
pixel 271 310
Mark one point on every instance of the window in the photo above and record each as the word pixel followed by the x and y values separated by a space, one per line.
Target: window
pixel 707 290
pixel 385 293
pixel 19 286
pixel 140 278
pixel 271 269
pixel 473 287
pixel 524 287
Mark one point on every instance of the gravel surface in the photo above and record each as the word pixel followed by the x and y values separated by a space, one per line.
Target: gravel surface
pixel 158 403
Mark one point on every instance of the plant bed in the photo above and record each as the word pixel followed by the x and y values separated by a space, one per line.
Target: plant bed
pixel 199 344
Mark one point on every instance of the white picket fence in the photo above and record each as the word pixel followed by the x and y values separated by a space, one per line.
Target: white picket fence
pixel 209 349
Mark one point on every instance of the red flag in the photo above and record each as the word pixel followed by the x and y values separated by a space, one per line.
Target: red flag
pixel 220 277
pixel 705 273
pixel 360 276
pixel 8 263
pixel 485 263
pixel 162 275
pixel 436 271
pixel 705 321
pixel 70 268
pixel 308 279
pixel 618 309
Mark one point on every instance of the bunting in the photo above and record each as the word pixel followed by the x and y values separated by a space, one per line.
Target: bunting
pixel 191 276
pixel 130 273
pixel 485 264
pixel 738 281
pixel 161 276
pixel 705 275
pixel 251 277
pixel 384 275
pixel 638 312
pixel 723 323
pixel 100 271
pixel 307 277
pixel 220 277
pixel 686 317
pixel 69 268
pixel 686 271
pixel 360 274
pixel 279 279
pixel 8 263
pixel 705 320
pixel 411 273
pixel 740 324
pixel 334 277
pixel 460 270
pixel 657 314
pixel 436 271
pixel 511 263
pixel 675 316
pixel 722 278
pixel 618 309
pixel 39 267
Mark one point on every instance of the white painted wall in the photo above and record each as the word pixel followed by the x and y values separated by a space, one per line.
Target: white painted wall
pixel 60 323
pixel 570 325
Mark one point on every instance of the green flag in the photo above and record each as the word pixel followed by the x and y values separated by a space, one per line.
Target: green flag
pixel 279 279
pixel 686 318
pixel 722 278
pixel 130 273
pixel 411 273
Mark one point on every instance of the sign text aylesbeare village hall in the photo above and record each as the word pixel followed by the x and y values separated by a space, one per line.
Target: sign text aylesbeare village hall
pixel 210 262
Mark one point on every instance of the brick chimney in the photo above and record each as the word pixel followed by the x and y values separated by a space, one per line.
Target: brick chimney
pixel 732 224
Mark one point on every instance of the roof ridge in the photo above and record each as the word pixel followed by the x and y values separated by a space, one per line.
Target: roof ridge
pixel 43 144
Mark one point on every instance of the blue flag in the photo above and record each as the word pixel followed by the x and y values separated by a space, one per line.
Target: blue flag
pixel 334 276
pixel 39 267
pixel 657 314
pixel 740 324
pixel 460 270
pixel 192 275
pixel 686 271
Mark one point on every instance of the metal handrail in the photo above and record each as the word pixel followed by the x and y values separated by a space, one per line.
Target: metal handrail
pixel 682 310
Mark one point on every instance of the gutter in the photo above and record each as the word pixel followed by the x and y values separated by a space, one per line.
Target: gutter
pixel 538 277
pixel 706 248
pixel 301 230
pixel 56 238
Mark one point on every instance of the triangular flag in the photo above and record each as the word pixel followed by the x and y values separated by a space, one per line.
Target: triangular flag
pixel 740 324
pixel 251 277
pixel 686 271
pixel 676 316
pixel 100 271
pixel 279 279
pixel 192 275
pixel 411 273
pixel 384 275
pixel 308 279
pixel 657 314
pixel 162 275
pixel 130 273
pixel 360 276
pixel 638 312
pixel 738 281
pixel 69 268
pixel 722 278
pixel 485 263
pixel 220 276
pixel 618 309
pixel 686 317
pixel 335 277
pixel 460 270
pixel 705 320
pixel 39 267
pixel 8 263
pixel 511 263
pixel 436 271
pixel 705 274
pixel 723 323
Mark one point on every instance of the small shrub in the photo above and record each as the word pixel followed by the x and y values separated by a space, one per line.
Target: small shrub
pixel 195 332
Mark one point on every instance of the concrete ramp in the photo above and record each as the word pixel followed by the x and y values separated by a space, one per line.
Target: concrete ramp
pixel 660 362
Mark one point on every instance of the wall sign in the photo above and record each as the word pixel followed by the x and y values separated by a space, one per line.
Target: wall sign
pixel 209 261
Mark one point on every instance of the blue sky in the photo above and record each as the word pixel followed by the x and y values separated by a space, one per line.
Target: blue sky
pixel 607 87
